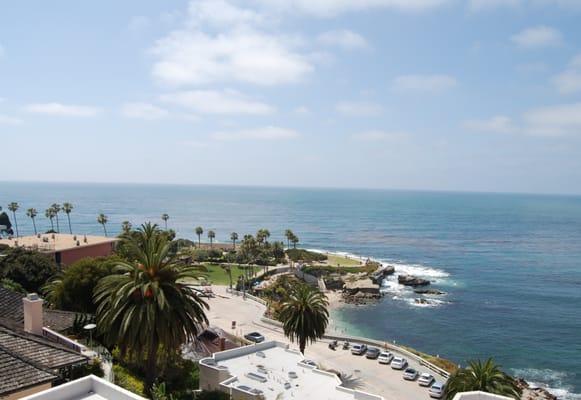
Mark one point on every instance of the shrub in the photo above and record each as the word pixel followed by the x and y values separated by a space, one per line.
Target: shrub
pixel 305 255
pixel 212 395
pixel 128 380
pixel 92 368
pixel 28 268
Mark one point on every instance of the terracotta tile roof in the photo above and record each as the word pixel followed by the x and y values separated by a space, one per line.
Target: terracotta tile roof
pixel 16 374
pixel 38 351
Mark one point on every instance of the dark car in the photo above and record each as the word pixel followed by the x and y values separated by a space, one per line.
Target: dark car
pixel 255 337
pixel 372 353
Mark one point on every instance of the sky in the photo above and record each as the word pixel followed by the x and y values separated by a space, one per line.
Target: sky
pixel 468 95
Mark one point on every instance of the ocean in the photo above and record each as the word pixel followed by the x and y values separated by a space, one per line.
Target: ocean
pixel 510 264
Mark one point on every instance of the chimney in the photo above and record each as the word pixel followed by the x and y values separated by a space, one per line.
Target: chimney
pixel 32 305
pixel 222 344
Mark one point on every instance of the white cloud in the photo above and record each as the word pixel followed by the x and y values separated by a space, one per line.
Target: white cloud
pixel 238 52
pixel 269 133
pixel 378 135
pixel 63 110
pixel 138 23
pixel 218 102
pixel 551 121
pixel 537 37
pixel 343 38
pixel 424 83
pixel 143 111
pixel 497 124
pixel 359 109
pixel 569 81
pixel 331 8
pixel 8 120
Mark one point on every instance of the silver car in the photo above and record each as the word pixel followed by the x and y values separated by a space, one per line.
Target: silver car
pixel 358 349
pixel 385 357
pixel 410 374
pixel 399 363
pixel 437 390
pixel 425 379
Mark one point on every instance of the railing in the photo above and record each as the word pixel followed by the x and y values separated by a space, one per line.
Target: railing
pixel 246 295
pixel 65 341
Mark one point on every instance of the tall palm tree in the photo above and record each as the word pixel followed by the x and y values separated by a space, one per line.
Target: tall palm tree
pixel 165 217
pixel 234 238
pixel 304 315
pixel 67 208
pixel 14 207
pixel 126 226
pixel 199 231
pixel 211 236
pixel 484 376
pixel 294 240
pixel 102 219
pixel 262 236
pixel 49 213
pixel 288 234
pixel 32 213
pixel 147 305
pixel 57 208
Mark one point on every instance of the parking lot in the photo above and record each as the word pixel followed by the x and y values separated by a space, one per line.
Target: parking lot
pixel 360 372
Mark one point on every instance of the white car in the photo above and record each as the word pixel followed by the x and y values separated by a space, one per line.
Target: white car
pixel 425 379
pixel 385 357
pixel 358 349
pixel 410 374
pixel 437 390
pixel 399 363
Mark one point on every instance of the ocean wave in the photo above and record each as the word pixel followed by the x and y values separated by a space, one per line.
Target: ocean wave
pixel 553 381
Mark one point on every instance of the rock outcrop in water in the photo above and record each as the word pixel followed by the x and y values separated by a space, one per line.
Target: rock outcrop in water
pixel 430 292
pixel 410 280
pixel 361 291
pixel 530 393
pixel 378 276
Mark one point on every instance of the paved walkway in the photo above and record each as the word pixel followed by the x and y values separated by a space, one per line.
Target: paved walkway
pixel 363 374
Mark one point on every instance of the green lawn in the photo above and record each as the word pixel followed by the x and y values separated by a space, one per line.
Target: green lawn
pixel 219 276
pixel 333 260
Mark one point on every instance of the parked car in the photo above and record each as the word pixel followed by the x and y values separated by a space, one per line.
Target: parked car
pixel 346 346
pixel 372 353
pixel 385 357
pixel 310 362
pixel 358 349
pixel 410 374
pixel 333 345
pixel 399 363
pixel 255 337
pixel 437 390
pixel 425 379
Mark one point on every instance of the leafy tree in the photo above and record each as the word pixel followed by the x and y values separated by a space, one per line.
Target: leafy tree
pixel 68 208
pixel 146 305
pixel 102 219
pixel 249 249
pixel 211 236
pixel 28 268
pixel 304 315
pixel 57 208
pixel 262 236
pixel 126 226
pixel 11 285
pixel 199 231
pixel 73 289
pixel 234 238
pixel 49 213
pixel 14 207
pixel 32 213
pixel 165 217
pixel 278 251
pixel 484 376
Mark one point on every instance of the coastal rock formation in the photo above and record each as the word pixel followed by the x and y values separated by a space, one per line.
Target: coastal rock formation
pixel 529 393
pixel 410 280
pixel 361 292
pixel 429 292
pixel 382 272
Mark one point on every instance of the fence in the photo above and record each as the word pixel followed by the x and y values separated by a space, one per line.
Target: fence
pixel 65 341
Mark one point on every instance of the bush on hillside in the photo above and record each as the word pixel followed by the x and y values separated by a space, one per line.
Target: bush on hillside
pixel 305 255
pixel 212 395
pixel 128 380
pixel 28 268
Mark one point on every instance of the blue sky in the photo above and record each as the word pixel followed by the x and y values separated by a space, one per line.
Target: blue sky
pixel 477 95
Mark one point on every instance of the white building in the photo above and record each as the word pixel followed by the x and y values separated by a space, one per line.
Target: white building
pixel 479 396
pixel 272 371
pixel 87 388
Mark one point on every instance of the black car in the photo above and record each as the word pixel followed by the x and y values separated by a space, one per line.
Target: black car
pixel 255 337
pixel 372 353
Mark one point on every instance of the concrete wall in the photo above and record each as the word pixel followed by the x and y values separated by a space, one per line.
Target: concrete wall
pixel 99 250
pixel 27 392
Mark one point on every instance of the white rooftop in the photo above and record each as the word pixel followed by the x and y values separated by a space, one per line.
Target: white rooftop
pixel 275 371
pixel 51 242
pixel 87 388
pixel 479 396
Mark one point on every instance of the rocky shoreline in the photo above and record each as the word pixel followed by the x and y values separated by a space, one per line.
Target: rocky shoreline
pixel 530 393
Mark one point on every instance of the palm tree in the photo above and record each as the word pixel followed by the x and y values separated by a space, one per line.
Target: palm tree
pixel 165 217
pixel 484 376
pixel 262 236
pixel 304 315
pixel 294 240
pixel 57 208
pixel 234 238
pixel 199 231
pixel 67 208
pixel 126 226
pixel 288 234
pixel 102 219
pixel 32 213
pixel 14 207
pixel 147 305
pixel 211 236
pixel 49 213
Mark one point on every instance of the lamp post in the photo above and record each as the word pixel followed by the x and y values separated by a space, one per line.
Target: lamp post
pixel 90 328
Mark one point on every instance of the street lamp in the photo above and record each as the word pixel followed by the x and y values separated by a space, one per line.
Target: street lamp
pixel 90 328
